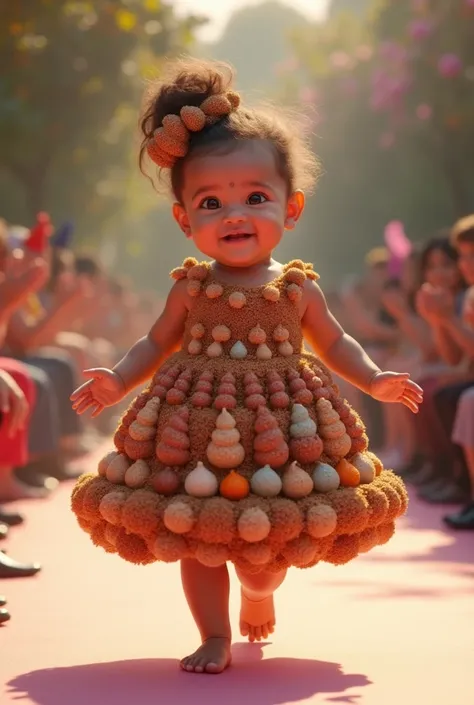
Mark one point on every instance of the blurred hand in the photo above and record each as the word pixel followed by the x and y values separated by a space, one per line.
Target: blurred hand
pixel 13 404
pixel 104 388
pixel 396 387
pixel 395 302
pixel 19 265
pixel 435 305
pixel 36 274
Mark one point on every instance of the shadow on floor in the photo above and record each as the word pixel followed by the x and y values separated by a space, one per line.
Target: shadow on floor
pixel 424 540
pixel 442 545
pixel 389 591
pixel 266 682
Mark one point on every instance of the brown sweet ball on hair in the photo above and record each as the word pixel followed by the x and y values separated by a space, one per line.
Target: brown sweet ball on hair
pixel 192 83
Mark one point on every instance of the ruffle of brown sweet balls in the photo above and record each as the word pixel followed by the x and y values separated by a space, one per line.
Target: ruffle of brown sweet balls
pixel 134 524
pixel 294 274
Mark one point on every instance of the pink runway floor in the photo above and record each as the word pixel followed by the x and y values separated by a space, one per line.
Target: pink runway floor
pixel 395 626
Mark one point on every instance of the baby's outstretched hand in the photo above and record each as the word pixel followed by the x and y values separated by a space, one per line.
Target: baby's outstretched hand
pixel 104 388
pixel 396 387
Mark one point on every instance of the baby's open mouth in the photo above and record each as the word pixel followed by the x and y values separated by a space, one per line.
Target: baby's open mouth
pixel 237 237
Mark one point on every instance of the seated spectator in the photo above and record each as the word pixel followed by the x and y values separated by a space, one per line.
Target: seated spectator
pixel 454 337
pixel 371 326
pixel 66 279
pixel 463 436
pixel 416 351
pixel 21 276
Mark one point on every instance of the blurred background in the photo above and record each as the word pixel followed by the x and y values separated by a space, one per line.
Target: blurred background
pixel 389 86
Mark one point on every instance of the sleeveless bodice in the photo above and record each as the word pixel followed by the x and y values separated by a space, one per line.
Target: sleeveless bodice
pixel 246 317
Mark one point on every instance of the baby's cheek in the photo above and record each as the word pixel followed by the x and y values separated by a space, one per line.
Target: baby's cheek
pixel 274 214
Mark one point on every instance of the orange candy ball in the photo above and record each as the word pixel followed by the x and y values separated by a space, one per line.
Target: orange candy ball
pixel 348 474
pixel 234 486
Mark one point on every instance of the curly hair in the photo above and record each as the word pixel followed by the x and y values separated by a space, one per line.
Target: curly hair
pixel 188 82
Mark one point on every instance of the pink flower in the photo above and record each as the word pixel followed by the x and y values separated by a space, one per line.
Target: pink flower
pixel 424 111
pixel 420 29
pixel 393 52
pixel 450 65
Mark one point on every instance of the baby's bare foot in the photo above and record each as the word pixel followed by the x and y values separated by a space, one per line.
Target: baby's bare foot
pixel 257 618
pixel 212 657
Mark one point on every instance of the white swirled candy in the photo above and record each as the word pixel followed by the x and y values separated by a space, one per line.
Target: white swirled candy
pixel 266 482
pixel 325 478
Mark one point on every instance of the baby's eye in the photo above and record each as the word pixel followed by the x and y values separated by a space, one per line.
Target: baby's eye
pixel 256 198
pixel 210 204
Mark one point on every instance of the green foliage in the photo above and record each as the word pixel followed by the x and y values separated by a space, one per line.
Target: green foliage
pixel 69 98
pixel 394 134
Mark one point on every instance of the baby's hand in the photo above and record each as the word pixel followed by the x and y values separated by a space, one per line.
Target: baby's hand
pixel 396 387
pixel 104 388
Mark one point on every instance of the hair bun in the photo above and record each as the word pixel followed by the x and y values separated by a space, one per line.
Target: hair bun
pixel 188 82
pixel 191 95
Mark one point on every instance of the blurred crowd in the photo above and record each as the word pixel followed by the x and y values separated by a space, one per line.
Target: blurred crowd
pixel 421 321
pixel 61 312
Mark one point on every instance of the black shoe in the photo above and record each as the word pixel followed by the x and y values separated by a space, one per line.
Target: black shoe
pixel 10 568
pixel 424 476
pixel 4 616
pixel 10 518
pixel 463 519
pixel 29 475
pixel 64 473
pixel 426 490
pixel 449 493
pixel 47 473
pixel 412 468
pixel 3 601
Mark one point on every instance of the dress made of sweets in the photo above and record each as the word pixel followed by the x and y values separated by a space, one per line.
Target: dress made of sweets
pixel 241 448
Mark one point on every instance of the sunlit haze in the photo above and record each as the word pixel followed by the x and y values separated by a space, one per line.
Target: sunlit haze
pixel 219 11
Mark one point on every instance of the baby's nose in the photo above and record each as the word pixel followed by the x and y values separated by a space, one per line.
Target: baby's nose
pixel 234 214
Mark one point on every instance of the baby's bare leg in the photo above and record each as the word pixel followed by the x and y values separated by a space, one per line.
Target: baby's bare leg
pixel 207 594
pixel 257 611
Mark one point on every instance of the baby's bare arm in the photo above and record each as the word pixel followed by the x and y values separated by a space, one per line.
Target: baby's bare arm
pixel 326 336
pixel 164 338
